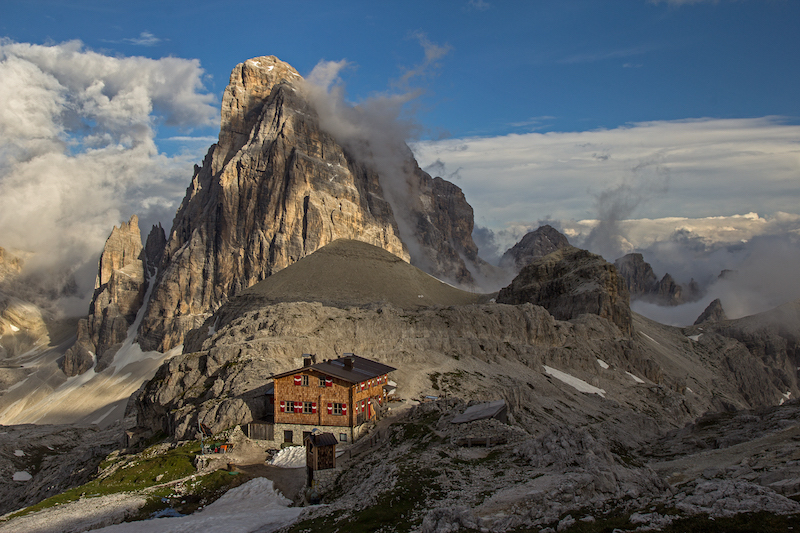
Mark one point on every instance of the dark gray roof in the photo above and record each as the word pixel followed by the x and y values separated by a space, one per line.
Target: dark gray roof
pixel 363 369
pixel 480 411
pixel 322 439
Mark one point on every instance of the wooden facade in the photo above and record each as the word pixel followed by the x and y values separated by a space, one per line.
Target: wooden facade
pixel 343 392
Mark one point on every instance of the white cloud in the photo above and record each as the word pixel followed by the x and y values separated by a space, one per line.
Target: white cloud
pixel 694 196
pixel 145 39
pixel 689 168
pixel 77 150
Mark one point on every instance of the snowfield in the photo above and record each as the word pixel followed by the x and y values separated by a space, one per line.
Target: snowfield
pixel 572 381
pixel 291 457
pixel 254 506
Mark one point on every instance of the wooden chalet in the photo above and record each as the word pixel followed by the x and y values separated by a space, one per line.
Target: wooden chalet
pixel 340 394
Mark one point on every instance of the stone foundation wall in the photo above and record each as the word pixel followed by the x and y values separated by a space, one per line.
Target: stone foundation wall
pixel 325 480
pixel 297 433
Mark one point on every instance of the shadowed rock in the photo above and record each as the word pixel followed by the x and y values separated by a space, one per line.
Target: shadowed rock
pixel 570 282
pixel 534 245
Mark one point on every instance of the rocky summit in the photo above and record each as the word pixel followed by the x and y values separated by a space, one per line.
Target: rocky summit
pixel 534 245
pixel 277 187
pixel 570 282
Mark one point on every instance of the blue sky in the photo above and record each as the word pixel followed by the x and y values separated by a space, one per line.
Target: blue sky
pixel 673 121
pixel 511 66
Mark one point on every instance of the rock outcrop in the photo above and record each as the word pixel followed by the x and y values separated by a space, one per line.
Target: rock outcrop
pixel 277 187
pixel 22 326
pixel 570 282
pixel 643 284
pixel 119 292
pixel 534 245
pixel 713 313
pixel 10 264
pixel 637 273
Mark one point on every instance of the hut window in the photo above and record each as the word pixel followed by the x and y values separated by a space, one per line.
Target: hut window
pixel 342 437
pixel 288 436
pixel 305 381
pixel 307 409
pixel 321 382
pixel 337 408
pixel 290 407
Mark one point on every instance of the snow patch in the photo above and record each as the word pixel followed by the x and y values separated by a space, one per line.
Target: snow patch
pixel 635 378
pixel 695 338
pixel 254 506
pixel 291 457
pixel 650 338
pixel 13 328
pixel 22 476
pixel 602 364
pixel 19 453
pixel 786 396
pixel 574 382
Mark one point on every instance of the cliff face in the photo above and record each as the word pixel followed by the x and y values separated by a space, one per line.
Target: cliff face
pixel 643 284
pixel 570 282
pixel 534 245
pixel 118 295
pixel 275 188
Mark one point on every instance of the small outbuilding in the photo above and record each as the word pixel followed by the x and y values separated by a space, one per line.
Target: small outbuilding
pixel 496 409
pixel 320 453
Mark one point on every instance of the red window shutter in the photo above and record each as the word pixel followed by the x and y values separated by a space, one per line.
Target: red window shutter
pixel 344 408
pixel 298 407
pixel 298 380
pixel 330 408
pixel 328 382
pixel 283 406
pixel 314 407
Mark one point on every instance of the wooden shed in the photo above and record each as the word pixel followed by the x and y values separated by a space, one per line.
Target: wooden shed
pixel 320 453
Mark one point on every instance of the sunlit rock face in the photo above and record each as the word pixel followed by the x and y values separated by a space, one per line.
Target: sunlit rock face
pixel 570 282
pixel 119 293
pixel 275 188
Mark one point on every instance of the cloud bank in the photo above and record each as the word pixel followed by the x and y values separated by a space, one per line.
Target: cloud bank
pixel 694 196
pixel 77 149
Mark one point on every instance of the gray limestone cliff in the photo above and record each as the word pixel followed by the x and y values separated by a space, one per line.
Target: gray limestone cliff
pixel 119 294
pixel 643 284
pixel 570 282
pixel 534 245
pixel 713 313
pixel 277 187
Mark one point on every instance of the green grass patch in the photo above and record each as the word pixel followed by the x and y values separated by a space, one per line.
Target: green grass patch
pixel 137 473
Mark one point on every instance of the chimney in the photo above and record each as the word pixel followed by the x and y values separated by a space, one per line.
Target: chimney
pixel 348 361
pixel 309 359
